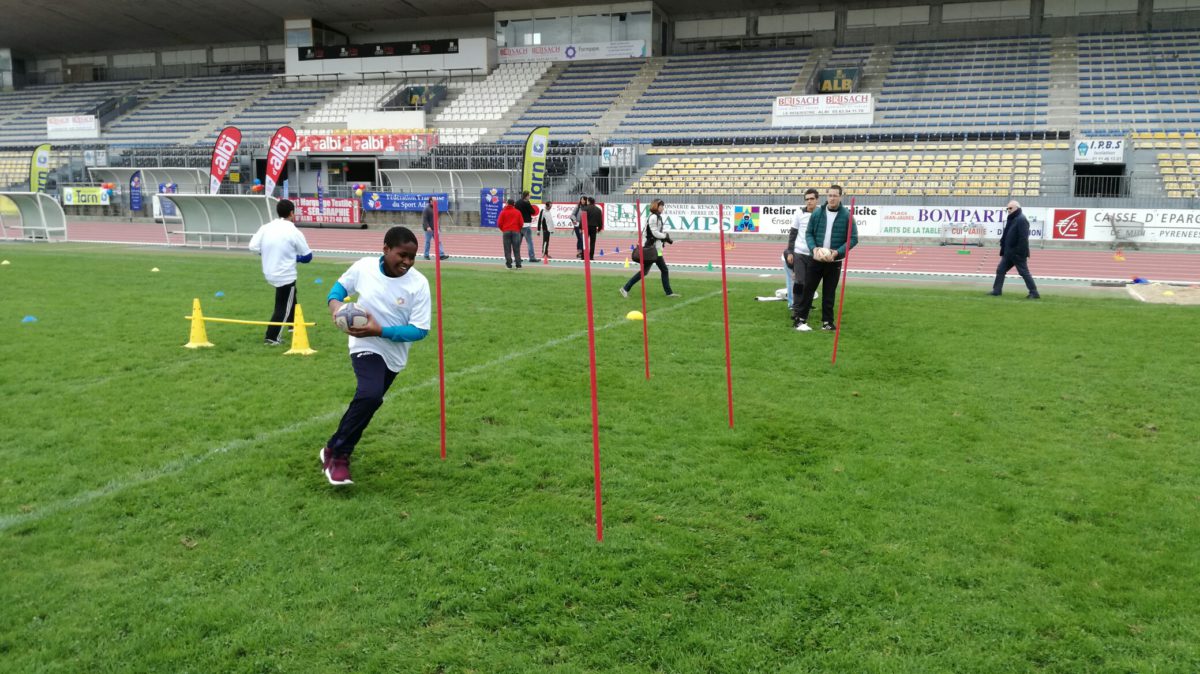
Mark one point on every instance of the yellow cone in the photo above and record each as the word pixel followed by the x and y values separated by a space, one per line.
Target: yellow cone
pixel 635 316
pixel 300 335
pixel 627 263
pixel 6 262
pixel 199 337
pixel 154 269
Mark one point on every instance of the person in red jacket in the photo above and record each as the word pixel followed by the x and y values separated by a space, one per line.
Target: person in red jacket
pixel 510 223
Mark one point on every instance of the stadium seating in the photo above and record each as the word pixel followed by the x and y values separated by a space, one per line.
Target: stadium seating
pixel 576 100
pixel 358 97
pixel 966 84
pixel 922 169
pixel 488 100
pixel 278 107
pixel 1139 81
pixel 713 95
pixel 185 110
pixel 14 168
pixel 1180 173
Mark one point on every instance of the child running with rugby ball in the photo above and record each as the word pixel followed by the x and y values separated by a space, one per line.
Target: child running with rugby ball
pixel 396 297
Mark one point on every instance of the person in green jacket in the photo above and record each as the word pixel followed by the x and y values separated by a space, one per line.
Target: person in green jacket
pixel 829 236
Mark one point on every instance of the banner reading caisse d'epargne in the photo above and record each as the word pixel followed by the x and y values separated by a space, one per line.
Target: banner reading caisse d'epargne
pixel 533 176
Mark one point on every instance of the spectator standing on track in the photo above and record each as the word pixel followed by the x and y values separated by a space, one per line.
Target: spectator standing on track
pixel 595 225
pixel 1014 251
pixel 828 230
pixel 577 227
pixel 797 255
pixel 427 225
pixel 510 223
pixel 281 246
pixel 527 213
pixel 650 253
pixel 546 226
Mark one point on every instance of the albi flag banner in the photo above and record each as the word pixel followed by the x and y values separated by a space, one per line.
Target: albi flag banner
pixel 39 168
pixel 533 178
pixel 222 157
pixel 277 155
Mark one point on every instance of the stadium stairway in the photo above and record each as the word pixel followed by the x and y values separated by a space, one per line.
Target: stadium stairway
pixel 625 102
pixel 1063 111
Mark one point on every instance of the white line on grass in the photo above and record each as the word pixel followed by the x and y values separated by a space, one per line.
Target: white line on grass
pixel 179 465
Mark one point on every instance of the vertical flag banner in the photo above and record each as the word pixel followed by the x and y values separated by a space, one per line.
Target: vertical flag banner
pixel 39 168
pixel 277 155
pixel 533 176
pixel 222 157
pixel 320 192
pixel 135 191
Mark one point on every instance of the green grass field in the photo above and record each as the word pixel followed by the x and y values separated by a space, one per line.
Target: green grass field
pixel 979 485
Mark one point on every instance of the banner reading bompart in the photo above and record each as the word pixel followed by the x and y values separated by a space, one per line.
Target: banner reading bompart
pixel 391 201
pixel 277 154
pixel 328 211
pixel 222 158
pixel 366 143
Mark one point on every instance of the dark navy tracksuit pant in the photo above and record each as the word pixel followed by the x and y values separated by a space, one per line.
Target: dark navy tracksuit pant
pixel 374 379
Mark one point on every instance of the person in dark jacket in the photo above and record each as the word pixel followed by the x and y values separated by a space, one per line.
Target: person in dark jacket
pixel 650 254
pixel 575 226
pixel 595 224
pixel 527 213
pixel 1014 251
pixel 829 232
pixel 427 225
pixel 510 224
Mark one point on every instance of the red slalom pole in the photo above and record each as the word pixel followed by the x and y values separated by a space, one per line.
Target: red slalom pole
pixel 842 298
pixel 587 279
pixel 642 267
pixel 725 301
pixel 437 266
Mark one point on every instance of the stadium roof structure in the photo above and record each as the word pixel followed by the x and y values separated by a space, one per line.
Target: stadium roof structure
pixel 88 26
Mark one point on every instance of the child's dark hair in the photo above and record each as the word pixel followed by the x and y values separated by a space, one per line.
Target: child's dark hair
pixel 285 208
pixel 398 236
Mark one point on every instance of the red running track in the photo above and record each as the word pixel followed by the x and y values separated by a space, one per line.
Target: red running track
pixel 1051 264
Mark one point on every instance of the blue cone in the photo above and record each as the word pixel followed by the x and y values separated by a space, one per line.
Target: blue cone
pixel 601 252
pixel 318 281
pixel 29 319
pixel 219 294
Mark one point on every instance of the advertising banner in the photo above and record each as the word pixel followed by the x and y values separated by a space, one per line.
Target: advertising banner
pixel 371 50
pixel 328 211
pixel 84 196
pixel 391 201
pixel 491 200
pixel 533 175
pixel 165 208
pixel 277 155
pixel 364 143
pixel 135 191
pixel 823 110
pixel 587 51
pixel 1139 225
pixel 1099 150
pixel 618 156
pixel 836 80
pixel 39 168
pixel 222 157
pixel 72 127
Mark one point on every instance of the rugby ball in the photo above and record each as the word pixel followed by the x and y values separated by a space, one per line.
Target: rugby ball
pixel 349 315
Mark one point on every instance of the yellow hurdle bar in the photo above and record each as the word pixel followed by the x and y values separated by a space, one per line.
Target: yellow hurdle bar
pixel 241 322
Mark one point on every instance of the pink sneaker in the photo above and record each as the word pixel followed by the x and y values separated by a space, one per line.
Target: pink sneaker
pixel 335 468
